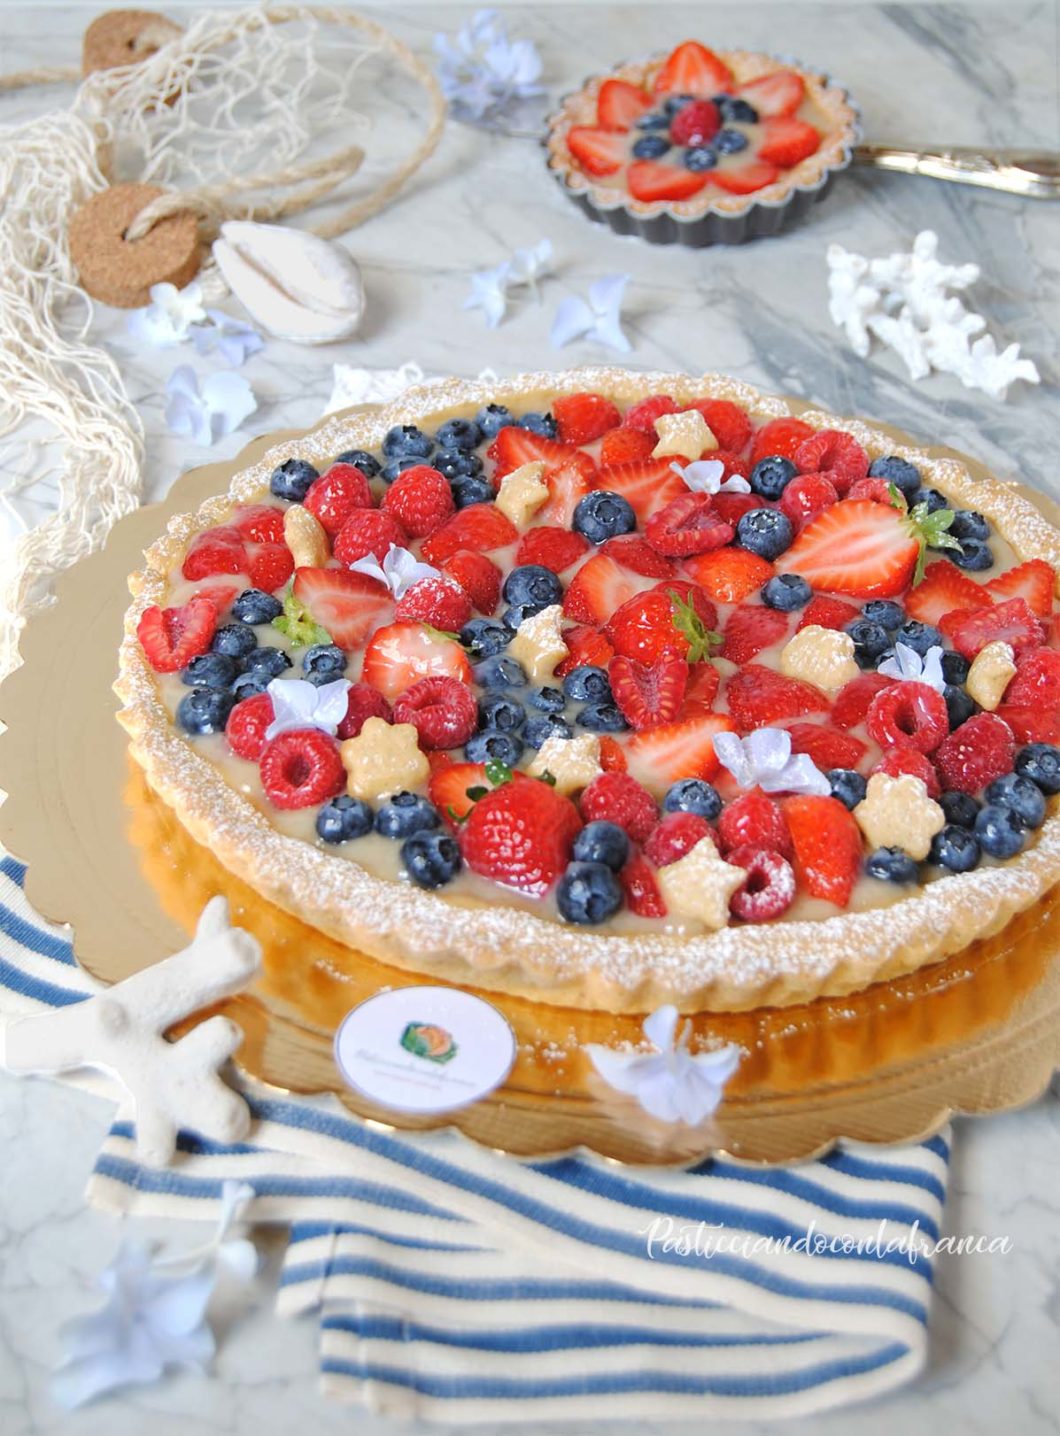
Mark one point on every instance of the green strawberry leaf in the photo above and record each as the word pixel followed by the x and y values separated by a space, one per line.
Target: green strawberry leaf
pixel 498 772
pixel 297 624
pixel 898 499
pixel 929 530
pixel 475 793
pixel 441 633
pixel 691 627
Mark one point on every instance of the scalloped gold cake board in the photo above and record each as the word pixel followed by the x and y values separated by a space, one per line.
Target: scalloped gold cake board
pixel 977 1033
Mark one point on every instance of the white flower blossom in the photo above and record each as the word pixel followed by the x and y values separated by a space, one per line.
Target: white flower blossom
pixel 399 570
pixel 483 72
pixel 207 414
pixel 669 1084
pixel 598 318
pixel 232 338
pixel 704 476
pixel 297 703
pixel 907 666
pixel 168 319
pixel 489 292
pixel 764 760
pixel 531 264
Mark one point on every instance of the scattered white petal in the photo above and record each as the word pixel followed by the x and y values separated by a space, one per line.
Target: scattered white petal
pixel 489 292
pixel 907 666
pixel 531 264
pixel 297 703
pixel 399 570
pixel 704 476
pixel 598 318
pixel 206 415
pixel 669 1084
pixel 232 338
pixel 482 72
pixel 167 320
pixel 764 760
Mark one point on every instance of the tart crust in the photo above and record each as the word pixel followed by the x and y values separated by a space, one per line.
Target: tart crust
pixel 505 948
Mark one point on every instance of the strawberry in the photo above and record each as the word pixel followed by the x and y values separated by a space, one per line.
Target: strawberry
pixel 441 602
pixel 640 888
pixel 643 414
pixel 520 835
pixel 586 645
pixel 769 889
pixel 942 590
pixel 752 175
pixel 597 590
pixel 729 574
pixel 420 499
pixel 878 490
pixel 362 702
pixel 633 553
pixel 754 820
pixel 827 844
pixel 676 835
pixel 751 628
pixel 402 653
pixel 598 151
pixel 787 141
pixel 692 69
pixel 650 180
pixel 648 696
pixel 1031 725
pixel 703 683
pixel 863 549
pixel 1037 679
pixel 334 496
pixel 695 124
pixel 172 637
pixel 779 436
pixel 221 595
pixel 581 418
pixel 612 758
pixel 646 487
pixel 478 576
pixel 759 696
pixel 1011 622
pixel 780 93
pixel 673 617
pixel 442 710
pixel 659 756
pixel 449 789
pixel 852 701
pixel 368 531
pixel 217 550
pixel 348 605
pixel 301 769
pixel 976 753
pixel 245 729
pixel 730 508
pixel 806 497
pixel 824 612
pixel 1034 581
pixel 567 485
pixel 626 446
pixel 898 761
pixel 552 547
pixel 479 527
pixel 260 523
pixel 728 423
pixel 908 715
pixel 618 798
pixel 270 566
pixel 688 525
pixel 514 447
pixel 835 454
pixel 826 746
pixel 619 105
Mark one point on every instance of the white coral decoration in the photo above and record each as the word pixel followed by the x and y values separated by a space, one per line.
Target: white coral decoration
pixel 764 759
pixel 482 72
pixel 669 1084
pixel 906 302
pixel 907 666
pixel 704 476
pixel 399 570
pixel 297 703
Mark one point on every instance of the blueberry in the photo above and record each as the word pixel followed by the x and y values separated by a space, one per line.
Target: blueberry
pixel 955 667
pixel 483 638
pixel 542 424
pixel 602 842
pixel 602 515
pixel 492 419
pixel 269 662
pixel 960 809
pixel 211 670
pixel 235 639
pixel 693 795
pixel 324 658
pixel 458 434
pixel 344 818
pixel 406 441
pixel 673 103
pixel 849 787
pixel 493 746
pixel 973 555
pixel 955 848
pixel 899 472
pixel 730 107
pixel 1021 795
pixel 730 142
pixel 538 729
pixel 292 479
pixel 870 639
pixel 771 476
pixel 918 636
pixel 457 464
pixel 517 614
pixel 999 830
pixel 650 147
pixel 967 524
pixel 960 706
pixel 601 718
pixel 361 459
pixel 548 700
pixel 254 606
pixel 431 859
pixel 588 893
pixel 766 532
pixel 698 158
pixel 249 685
pixel 587 684
pixel 499 711
pixel 472 491
pixel 498 672
pixel 205 710
pixel 1040 762
pixel 405 814
pixel 786 592
pixel 882 611
pixel 891 865
pixel 395 467
pixel 653 120
pixel 931 497
pixel 532 586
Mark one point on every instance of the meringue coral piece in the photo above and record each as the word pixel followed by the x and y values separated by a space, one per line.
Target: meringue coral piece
pixel 991 672
pixel 897 813
pixel 821 656
pixel 305 537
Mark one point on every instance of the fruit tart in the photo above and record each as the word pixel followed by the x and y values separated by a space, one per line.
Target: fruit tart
pixel 611 689
pixel 698 147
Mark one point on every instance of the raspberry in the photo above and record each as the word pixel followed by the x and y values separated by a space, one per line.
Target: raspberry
pixel 853 699
pixel 368 531
pixel 807 496
pixel 730 508
pixel 301 769
pixel 688 525
pixel 478 576
pixel 612 758
pixel 754 820
pixel 676 835
pixel 779 436
pixel 770 886
pixel 420 499
pixel 271 566
pixel 442 710
pixel 617 798
pixel 245 729
pixel 695 124
pixel 334 496
pixel 261 523
pixel 581 418
pixel 976 753
pixel 441 602
pixel 828 613
pixel 908 715
pixel 642 892
pixel 836 455
pixel 626 446
pixel 552 548
pixel 362 702
pixel 876 490
pixel 642 416
pixel 908 760
pixel 728 423
pixel 217 550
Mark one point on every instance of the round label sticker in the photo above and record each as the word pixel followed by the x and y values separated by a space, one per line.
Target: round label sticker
pixel 424 1049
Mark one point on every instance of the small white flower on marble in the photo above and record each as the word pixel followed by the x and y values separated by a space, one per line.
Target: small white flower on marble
pixel 399 570
pixel 764 760
pixel 297 703
pixel 489 292
pixel 530 265
pixel 482 71
pixel 168 319
pixel 233 339
pixel 908 666
pixel 599 317
pixel 705 476
pixel 207 414
pixel 670 1084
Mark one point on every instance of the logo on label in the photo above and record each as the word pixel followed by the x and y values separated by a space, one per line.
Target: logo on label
pixel 428 1040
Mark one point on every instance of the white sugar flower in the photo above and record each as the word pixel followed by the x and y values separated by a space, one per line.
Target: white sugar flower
pixel 669 1084
pixel 764 760
pixel 598 318
pixel 297 703
pixel 209 413
pixel 704 476
pixel 399 570
pixel 907 666
pixel 167 320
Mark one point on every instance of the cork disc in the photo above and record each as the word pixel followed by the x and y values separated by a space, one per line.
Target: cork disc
pixel 123 37
pixel 119 271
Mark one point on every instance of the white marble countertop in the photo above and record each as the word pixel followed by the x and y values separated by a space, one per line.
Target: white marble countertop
pixel 958 73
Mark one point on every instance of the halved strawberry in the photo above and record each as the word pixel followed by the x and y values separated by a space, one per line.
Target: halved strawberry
pixel 640 888
pixel 646 486
pixel 270 565
pixel 567 485
pixel 349 605
pixel 260 523
pixel 1010 622
pixel 692 69
pixel 448 789
pixel 786 141
pixel 632 552
pixel 402 653
pixel 944 589
pixel 779 436
pixel 1034 581
pixel 824 612
pixel 598 151
pixel 216 550
pixel 827 843
pixel 619 105
pixel 626 446
pixel 172 637
pixel 651 180
pixel 659 756
pixel 826 745
pixel 673 617
pixel 551 547
pixel 759 696
pixel 598 588
pixel 581 418
pixel 479 527
pixel 751 628
pixel 585 645
pixel 688 525
pixel 863 549
pixel 514 447
pixel 702 690
pixel 221 593
pixel 729 424
pixel 852 702
pixel 729 574
pixel 648 695
pixel 746 178
pixel 780 93
pixel 1032 725
pixel 1037 679
pixel 478 576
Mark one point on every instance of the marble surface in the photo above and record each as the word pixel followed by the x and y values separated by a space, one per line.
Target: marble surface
pixel 967 74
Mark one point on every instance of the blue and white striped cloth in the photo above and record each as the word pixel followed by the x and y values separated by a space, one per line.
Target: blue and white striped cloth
pixel 456 1285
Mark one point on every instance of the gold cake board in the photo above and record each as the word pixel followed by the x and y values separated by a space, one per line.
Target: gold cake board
pixel 975 1034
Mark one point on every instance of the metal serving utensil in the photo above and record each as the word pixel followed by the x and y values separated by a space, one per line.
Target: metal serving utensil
pixel 1034 174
